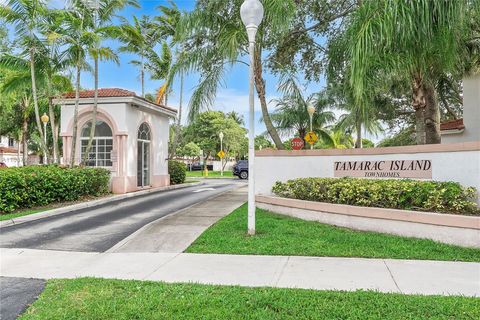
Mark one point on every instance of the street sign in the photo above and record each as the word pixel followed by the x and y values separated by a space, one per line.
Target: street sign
pixel 311 137
pixel 297 143
pixel 221 154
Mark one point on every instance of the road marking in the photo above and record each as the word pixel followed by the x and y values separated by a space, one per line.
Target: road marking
pixel 204 189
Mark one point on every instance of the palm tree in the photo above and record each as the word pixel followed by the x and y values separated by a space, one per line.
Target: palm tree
pixel 18 82
pixel 291 110
pixel 137 38
pixel 416 41
pixel 27 16
pixel 215 38
pixel 104 12
pixel 73 34
pixel 165 28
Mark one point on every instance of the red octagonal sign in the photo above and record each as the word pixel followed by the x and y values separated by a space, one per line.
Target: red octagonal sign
pixel 297 143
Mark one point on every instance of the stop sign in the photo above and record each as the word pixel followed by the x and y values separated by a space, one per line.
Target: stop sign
pixel 297 143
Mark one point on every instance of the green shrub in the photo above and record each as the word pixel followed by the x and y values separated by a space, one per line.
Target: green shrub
pixel 448 197
pixel 30 186
pixel 177 171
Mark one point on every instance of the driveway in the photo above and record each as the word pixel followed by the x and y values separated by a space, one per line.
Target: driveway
pixel 99 229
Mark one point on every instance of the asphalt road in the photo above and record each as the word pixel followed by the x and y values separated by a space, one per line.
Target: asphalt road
pixel 100 228
pixel 16 294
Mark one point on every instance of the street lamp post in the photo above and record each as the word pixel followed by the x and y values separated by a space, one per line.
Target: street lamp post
pixel 311 111
pixel 251 13
pixel 45 119
pixel 221 149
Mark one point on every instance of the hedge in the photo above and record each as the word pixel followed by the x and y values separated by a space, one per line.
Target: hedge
pixel 432 196
pixel 30 186
pixel 177 171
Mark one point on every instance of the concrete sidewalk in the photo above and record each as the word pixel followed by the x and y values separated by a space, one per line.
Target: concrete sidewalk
pixel 385 275
pixel 174 233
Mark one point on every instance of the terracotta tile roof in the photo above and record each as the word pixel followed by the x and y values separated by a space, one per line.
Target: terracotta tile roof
pixel 111 93
pixel 102 93
pixel 456 124
pixel 8 150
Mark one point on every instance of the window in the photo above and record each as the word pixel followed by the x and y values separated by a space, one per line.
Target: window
pixel 144 132
pixel 11 142
pixel 100 152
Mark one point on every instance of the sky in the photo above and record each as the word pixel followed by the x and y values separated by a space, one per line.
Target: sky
pixel 231 96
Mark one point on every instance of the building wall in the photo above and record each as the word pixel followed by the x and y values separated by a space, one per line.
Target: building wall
pixel 471 112
pixel 458 162
pixel 124 121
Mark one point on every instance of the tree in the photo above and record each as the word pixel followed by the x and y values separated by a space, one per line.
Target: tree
pixel 104 11
pixel 26 17
pixel 339 139
pixel 137 38
pixel 191 150
pixel 415 41
pixel 261 143
pixel 291 116
pixel 17 82
pixel 204 130
pixel 215 38
pixel 74 35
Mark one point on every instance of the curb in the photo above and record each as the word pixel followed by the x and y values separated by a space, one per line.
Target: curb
pixel 91 204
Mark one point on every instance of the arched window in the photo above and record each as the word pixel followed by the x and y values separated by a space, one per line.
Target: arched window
pixel 144 132
pixel 143 156
pixel 100 153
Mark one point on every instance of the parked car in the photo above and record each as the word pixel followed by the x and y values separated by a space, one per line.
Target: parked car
pixel 197 166
pixel 240 169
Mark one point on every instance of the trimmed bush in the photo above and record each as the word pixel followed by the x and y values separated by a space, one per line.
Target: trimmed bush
pixel 177 171
pixel 433 196
pixel 30 186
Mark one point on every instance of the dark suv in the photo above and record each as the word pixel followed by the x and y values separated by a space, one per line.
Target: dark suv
pixel 240 169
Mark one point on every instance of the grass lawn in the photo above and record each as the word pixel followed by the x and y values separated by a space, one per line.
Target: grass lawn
pixel 281 235
pixel 89 298
pixel 21 213
pixel 211 174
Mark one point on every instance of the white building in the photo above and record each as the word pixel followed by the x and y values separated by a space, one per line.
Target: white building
pixel 131 137
pixel 9 152
pixel 467 128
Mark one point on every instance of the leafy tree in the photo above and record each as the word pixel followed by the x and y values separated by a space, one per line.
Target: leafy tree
pixel 104 11
pixel 215 38
pixel 191 150
pixel 261 143
pixel 137 38
pixel 204 131
pixel 291 116
pixel 339 139
pixel 405 137
pixel 415 41
pixel 366 143
pixel 27 16
pixel 236 116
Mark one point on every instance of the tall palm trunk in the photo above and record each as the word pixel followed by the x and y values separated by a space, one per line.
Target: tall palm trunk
pixel 418 103
pixel 179 119
pixel 432 116
pixel 24 134
pixel 142 77
pixel 358 129
pixel 75 118
pixel 51 114
pixel 94 113
pixel 260 85
pixel 35 103
pixel 18 149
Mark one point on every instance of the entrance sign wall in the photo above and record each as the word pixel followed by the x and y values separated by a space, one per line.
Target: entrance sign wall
pixel 459 162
